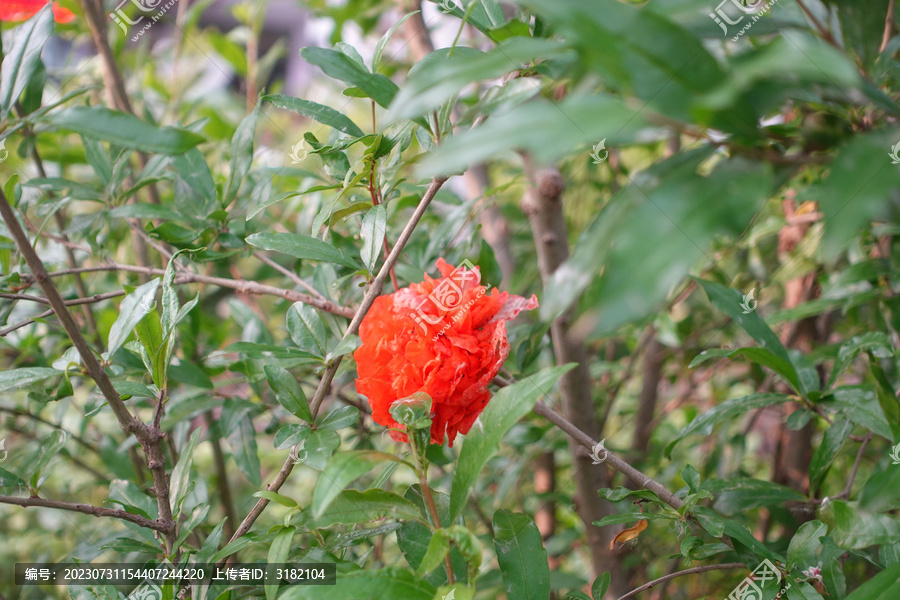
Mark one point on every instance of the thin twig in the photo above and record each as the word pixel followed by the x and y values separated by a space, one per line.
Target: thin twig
pixel 859 455
pixel 289 274
pixel 87 509
pixel 888 27
pixel 243 287
pixel 690 571
pixel 819 27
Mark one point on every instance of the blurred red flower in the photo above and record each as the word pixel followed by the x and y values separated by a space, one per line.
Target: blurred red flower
pixel 20 10
pixel 445 337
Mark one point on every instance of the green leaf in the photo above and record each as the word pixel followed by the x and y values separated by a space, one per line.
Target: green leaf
pixel 23 58
pixel 291 435
pixel 319 446
pixel 339 66
pixel 348 344
pixel 243 449
pixel 825 453
pixel 241 155
pixel 554 130
pixel 341 417
pixel 437 549
pixel 729 301
pixel 737 494
pixel 860 404
pixel 522 557
pixel 727 411
pixel 16 378
pixel 352 506
pixel 255 350
pixel 11 480
pixel 134 307
pixel 855 529
pixel 300 246
pixel 508 406
pixel 383 42
pixel 442 74
pixel 307 328
pixel 199 199
pixel 277 498
pixel 278 554
pixel 875 341
pixel 342 469
pixel 760 356
pixel 180 482
pixel 123 129
pixel 372 234
pixel 132 499
pixel 288 392
pixel 883 586
pixel 321 113
pixel 366 584
pixel 860 184
pixel 600 585
pixel 804 546
pixel 878 494
pixel 193 521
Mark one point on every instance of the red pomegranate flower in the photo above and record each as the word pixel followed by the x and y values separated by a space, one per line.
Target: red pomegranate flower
pixel 445 337
pixel 20 10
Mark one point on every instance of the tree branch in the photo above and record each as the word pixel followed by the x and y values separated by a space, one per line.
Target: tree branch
pixel 244 287
pixel 87 509
pixel 690 571
pixel 148 437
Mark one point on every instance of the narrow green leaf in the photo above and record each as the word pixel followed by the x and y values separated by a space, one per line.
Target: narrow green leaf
pixel 339 66
pixel 23 58
pixel 241 155
pixel 760 356
pixel 342 469
pixel 352 506
pixel 16 378
pixel 187 527
pixel 341 417
pixel 372 234
pixel 728 410
pixel 123 129
pixel 201 199
pixel 437 549
pixel 277 498
pixel 730 302
pixel 300 246
pixel 522 557
pixel 307 328
pixel 180 482
pixel 383 42
pixel 278 554
pixel 600 585
pixel 883 586
pixel 134 307
pixel 508 406
pixel 288 392
pixel 321 113
pixel 243 449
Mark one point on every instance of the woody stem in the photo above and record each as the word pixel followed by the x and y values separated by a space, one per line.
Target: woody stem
pixel 419 454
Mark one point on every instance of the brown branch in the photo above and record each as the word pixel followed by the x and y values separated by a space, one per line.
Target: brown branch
pixel 242 287
pixel 690 571
pixel 888 26
pixel 87 509
pixel 325 383
pixel 543 206
pixel 221 473
pixel 147 436
pixel 289 274
pixel 614 461
pixel 47 313
pixel 819 27
pixel 859 455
